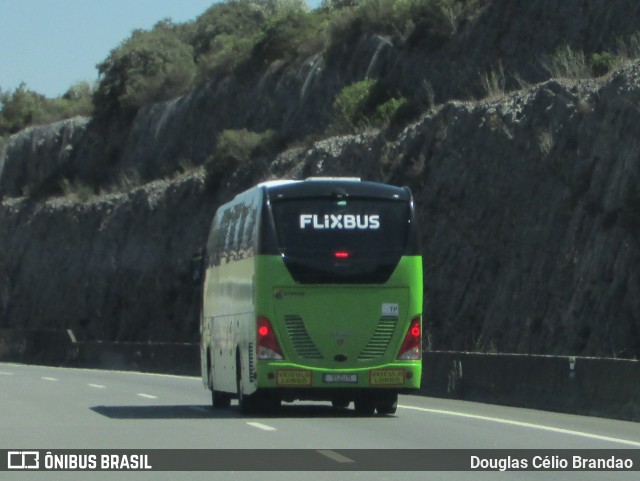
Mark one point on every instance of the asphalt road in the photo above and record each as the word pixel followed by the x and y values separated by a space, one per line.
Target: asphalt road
pixel 54 408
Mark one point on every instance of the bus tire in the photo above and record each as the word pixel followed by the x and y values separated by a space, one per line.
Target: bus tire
pixel 364 406
pixel 268 402
pixel 219 399
pixel 244 401
pixel 387 403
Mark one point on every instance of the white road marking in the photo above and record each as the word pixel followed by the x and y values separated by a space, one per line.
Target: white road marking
pixel 50 379
pixel 148 396
pixel 264 427
pixel 97 386
pixel 525 425
pixel 337 457
pixel 4 373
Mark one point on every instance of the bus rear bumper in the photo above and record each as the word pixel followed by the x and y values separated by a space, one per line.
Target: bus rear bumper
pixel 399 377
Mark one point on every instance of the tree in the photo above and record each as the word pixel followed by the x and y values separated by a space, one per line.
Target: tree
pixel 20 109
pixel 150 66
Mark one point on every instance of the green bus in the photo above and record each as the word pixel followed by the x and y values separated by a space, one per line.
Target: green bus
pixel 313 291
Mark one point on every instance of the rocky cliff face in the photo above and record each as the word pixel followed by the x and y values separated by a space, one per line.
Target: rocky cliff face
pixel 38 156
pixel 115 267
pixel 530 202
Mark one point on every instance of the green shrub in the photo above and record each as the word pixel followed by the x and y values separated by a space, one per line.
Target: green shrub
pixel 237 147
pixel 370 16
pixel 226 53
pixel 603 63
pixel 493 82
pixel 20 109
pixel 239 18
pixel 223 37
pixel 404 20
pixel 439 19
pixel 283 34
pixel 367 103
pixel 566 62
pixel 24 107
pixel 352 103
pixel 545 142
pixel 331 5
pixel 388 111
pixel 630 48
pixel 75 101
pixel 76 190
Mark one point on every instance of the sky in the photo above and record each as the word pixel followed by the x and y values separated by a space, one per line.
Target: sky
pixel 53 44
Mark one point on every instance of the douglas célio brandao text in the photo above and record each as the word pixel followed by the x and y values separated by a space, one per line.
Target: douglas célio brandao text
pixel 551 463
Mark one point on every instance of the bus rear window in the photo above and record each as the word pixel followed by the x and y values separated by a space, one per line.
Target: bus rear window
pixel 341 240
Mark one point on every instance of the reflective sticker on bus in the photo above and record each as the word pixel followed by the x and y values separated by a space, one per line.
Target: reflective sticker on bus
pixel 390 310
pixel 340 221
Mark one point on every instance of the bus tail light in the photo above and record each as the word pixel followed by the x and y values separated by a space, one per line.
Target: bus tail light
pixel 268 347
pixel 411 349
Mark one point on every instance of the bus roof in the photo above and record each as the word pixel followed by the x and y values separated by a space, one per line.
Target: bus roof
pixel 275 183
pixel 335 187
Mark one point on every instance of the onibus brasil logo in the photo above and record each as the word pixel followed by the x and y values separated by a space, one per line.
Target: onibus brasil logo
pixel 23 460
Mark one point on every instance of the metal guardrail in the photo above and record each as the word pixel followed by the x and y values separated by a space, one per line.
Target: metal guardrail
pixel 579 385
pixel 61 348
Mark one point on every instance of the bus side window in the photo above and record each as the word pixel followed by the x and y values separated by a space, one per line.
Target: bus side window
pixel 214 250
pixel 242 219
pixel 249 231
pixel 228 232
pixel 235 240
pixel 248 220
pixel 218 246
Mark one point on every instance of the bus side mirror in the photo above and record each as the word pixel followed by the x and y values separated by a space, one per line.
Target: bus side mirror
pixel 197 267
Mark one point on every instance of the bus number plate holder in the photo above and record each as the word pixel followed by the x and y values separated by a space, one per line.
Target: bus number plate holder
pixel 340 378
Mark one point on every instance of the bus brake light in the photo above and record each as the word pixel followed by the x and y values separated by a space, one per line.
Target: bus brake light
pixel 412 346
pixel 268 347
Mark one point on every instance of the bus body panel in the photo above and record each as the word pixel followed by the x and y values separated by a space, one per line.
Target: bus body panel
pixel 339 328
pixel 228 307
pixel 231 318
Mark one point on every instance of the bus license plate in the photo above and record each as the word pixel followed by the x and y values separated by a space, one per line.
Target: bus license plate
pixel 387 377
pixel 340 378
pixel 292 377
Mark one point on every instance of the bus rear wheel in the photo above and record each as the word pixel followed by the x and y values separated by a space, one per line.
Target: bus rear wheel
pixel 248 403
pixel 219 399
pixel 243 400
pixel 364 406
pixel 387 403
